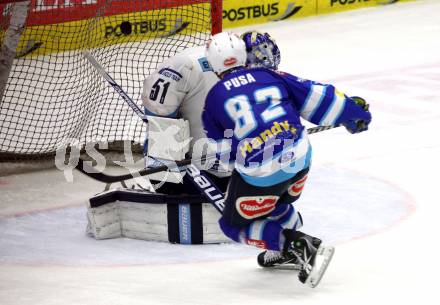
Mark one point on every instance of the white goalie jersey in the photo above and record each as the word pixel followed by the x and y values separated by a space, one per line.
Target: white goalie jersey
pixel 179 87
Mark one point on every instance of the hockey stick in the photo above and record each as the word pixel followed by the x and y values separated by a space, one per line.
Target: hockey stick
pixel 321 128
pixel 102 177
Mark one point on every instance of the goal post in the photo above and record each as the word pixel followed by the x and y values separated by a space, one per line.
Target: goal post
pixel 52 95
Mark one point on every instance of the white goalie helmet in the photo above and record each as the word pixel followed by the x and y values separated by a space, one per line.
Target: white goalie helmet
pixel 225 51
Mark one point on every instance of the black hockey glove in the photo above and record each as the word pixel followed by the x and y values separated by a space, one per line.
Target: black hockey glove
pixel 359 125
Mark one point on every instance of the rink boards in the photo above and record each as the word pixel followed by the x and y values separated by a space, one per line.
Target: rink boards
pixel 243 13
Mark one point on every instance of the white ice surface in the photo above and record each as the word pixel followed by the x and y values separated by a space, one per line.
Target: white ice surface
pixel 38 232
pixel 373 195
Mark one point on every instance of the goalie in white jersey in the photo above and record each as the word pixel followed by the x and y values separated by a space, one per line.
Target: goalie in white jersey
pixel 177 89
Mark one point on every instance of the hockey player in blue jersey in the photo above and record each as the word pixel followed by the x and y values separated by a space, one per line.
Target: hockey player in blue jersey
pixel 256 112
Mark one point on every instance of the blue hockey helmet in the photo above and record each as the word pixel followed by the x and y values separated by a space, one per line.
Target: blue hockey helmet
pixel 262 51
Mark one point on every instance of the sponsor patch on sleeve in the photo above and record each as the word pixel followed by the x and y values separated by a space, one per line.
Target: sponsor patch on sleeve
pixel 205 64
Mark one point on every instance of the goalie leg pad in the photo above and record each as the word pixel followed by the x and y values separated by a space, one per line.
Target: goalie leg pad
pixel 143 215
pixel 104 222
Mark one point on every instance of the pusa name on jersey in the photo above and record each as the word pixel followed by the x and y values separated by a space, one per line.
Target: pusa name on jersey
pixel 239 81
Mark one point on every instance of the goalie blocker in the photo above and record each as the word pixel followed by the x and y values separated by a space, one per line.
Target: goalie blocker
pixel 183 219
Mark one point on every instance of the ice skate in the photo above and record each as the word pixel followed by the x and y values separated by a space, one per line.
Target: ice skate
pixel 313 257
pixel 276 259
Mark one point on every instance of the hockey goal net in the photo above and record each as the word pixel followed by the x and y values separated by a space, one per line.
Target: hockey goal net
pixel 50 94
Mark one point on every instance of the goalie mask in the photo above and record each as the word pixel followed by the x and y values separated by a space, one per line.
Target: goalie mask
pixel 262 51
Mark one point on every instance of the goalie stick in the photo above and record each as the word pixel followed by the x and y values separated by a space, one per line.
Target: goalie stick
pixel 105 178
pixel 114 84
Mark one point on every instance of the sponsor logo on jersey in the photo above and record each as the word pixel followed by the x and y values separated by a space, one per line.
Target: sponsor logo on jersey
pixel 205 64
pixel 296 188
pixel 256 243
pixel 170 73
pixel 255 206
pixel 247 146
pixel 287 157
pixel 229 61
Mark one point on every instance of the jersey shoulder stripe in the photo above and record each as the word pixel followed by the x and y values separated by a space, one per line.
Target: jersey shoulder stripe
pixel 334 110
pixel 313 101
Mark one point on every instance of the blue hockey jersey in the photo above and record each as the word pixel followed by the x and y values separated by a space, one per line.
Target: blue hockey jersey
pixel 261 109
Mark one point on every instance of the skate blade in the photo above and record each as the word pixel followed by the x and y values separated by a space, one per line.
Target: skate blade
pixel 323 257
pixel 296 267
